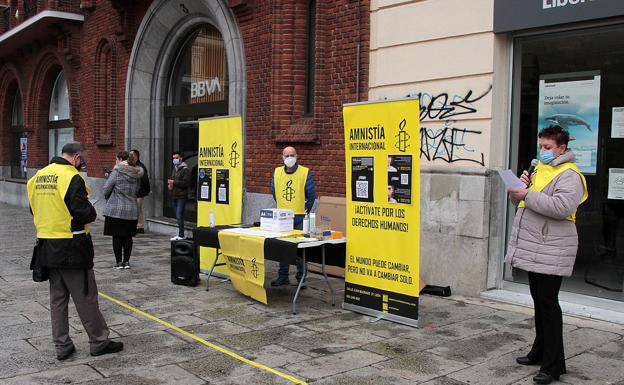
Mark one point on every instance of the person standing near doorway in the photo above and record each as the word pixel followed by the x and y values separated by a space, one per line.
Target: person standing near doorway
pixel 293 188
pixel 58 197
pixel 144 190
pixel 121 210
pixel 179 184
pixel 544 243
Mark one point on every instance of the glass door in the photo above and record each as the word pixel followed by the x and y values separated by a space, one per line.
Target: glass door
pixel 576 79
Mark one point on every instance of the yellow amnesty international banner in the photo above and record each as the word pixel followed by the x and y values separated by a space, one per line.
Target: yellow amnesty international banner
pixel 219 178
pixel 244 255
pixel 382 153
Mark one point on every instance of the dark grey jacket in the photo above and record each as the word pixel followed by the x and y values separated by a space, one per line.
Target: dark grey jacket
pixel 120 191
pixel 542 239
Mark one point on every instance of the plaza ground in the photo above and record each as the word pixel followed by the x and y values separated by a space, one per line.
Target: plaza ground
pixel 460 341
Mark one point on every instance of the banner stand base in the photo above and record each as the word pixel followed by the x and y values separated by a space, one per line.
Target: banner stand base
pixel 380 315
pixel 216 274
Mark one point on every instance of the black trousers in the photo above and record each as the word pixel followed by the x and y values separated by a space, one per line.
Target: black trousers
pixel 122 246
pixel 548 344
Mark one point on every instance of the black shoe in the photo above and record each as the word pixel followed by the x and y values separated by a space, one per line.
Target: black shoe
pixel 544 378
pixel 303 286
pixel 140 231
pixel 280 281
pixel 66 355
pixel 526 361
pixel 112 347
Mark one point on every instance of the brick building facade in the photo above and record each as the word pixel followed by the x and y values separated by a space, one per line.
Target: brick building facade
pixel 285 95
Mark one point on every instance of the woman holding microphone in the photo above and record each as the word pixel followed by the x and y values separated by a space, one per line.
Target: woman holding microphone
pixel 544 243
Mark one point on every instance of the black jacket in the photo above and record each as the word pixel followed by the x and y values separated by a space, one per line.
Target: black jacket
pixel 75 253
pixel 144 185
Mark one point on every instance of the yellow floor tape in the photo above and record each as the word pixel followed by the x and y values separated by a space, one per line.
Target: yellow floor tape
pixel 203 341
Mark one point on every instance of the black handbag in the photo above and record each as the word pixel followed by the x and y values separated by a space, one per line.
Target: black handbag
pixel 40 272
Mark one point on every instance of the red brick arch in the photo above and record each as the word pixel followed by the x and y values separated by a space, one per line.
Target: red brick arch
pixel 9 83
pixel 49 64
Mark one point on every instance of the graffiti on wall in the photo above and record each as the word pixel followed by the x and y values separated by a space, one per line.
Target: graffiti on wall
pixel 449 142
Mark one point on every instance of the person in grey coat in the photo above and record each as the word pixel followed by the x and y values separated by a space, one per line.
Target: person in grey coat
pixel 121 211
pixel 544 243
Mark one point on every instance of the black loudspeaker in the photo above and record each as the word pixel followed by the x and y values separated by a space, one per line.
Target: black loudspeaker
pixel 184 263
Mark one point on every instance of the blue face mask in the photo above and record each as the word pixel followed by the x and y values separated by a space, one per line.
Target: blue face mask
pixel 547 156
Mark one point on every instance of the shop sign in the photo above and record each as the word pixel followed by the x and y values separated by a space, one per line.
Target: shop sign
pixel 513 15
pixel 205 87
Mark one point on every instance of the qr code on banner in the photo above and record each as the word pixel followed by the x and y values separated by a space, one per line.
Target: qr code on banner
pixel 361 189
pixel 404 178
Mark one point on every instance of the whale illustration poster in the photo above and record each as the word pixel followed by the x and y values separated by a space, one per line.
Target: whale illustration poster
pixel 572 101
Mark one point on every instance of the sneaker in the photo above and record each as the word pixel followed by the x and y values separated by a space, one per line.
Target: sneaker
pixel 118 266
pixel 280 281
pixel 126 265
pixel 66 355
pixel 176 238
pixel 140 231
pixel 112 347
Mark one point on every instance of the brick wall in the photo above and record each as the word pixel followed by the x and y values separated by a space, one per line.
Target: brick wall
pixel 274 36
pixel 275 51
pixel 74 49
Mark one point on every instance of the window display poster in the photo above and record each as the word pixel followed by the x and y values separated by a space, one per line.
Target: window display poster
pixel 23 143
pixel 617 122
pixel 616 183
pixel 572 101
pixel 382 145
pixel 220 186
pixel 204 184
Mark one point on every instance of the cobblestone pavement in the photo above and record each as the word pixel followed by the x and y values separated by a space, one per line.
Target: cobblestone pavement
pixel 461 341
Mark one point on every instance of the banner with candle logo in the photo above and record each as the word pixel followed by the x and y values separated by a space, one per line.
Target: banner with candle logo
pixel 382 152
pixel 219 178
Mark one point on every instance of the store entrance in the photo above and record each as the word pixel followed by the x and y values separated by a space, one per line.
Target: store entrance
pixel 198 89
pixel 576 80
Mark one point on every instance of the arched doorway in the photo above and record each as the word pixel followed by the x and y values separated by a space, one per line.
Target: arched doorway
pixel 198 88
pixel 155 112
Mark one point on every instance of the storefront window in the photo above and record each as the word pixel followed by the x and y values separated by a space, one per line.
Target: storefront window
pixel 198 89
pixel 19 141
pixel 60 127
pixel 576 80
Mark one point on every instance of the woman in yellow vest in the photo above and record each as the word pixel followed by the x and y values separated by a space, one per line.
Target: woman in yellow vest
pixel 544 242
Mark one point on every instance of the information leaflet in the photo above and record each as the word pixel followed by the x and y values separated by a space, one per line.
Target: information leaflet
pixel 219 178
pixel 382 144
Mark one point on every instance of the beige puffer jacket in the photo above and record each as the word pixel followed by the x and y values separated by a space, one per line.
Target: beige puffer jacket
pixel 542 239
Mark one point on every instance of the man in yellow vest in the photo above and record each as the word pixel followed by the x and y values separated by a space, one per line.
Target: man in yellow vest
pixel 61 211
pixel 293 188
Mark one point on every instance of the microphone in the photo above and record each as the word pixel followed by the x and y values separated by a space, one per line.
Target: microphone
pixel 533 165
pixel 532 169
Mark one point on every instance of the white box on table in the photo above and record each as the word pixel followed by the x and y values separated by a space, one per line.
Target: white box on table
pixel 277 219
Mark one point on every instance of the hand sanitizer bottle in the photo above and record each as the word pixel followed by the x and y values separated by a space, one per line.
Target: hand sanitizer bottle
pixel 313 223
pixel 306 225
pixel 212 219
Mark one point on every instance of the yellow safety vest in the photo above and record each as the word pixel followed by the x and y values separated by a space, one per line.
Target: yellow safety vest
pixel 290 189
pixel 46 194
pixel 544 174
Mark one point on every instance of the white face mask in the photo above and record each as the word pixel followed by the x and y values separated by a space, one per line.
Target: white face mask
pixel 290 161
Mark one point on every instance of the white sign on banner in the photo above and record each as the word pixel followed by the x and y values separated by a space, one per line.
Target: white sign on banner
pixel 617 122
pixel 616 183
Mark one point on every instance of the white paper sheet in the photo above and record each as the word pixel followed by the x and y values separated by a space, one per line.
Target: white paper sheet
pixel 510 179
pixel 616 183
